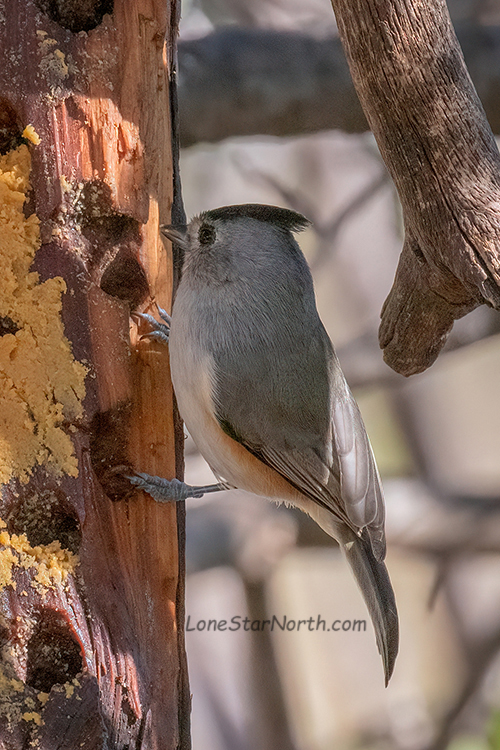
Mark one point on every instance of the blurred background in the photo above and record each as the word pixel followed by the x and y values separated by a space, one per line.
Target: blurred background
pixel 268 115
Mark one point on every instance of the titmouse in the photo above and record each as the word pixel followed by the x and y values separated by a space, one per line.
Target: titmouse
pixel 261 391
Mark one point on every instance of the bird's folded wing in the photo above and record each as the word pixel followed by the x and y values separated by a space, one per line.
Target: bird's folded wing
pixel 348 487
pixel 308 473
pixel 360 485
pixel 297 415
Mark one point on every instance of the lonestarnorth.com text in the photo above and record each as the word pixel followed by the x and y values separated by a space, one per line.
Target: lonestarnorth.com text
pixel 283 623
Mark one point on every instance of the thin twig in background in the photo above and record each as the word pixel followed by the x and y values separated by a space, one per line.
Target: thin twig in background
pixel 327 232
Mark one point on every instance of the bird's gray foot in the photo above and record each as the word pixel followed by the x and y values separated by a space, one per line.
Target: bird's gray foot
pixel 159 331
pixel 171 490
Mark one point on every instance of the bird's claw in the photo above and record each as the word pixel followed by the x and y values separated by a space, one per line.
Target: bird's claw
pixel 165 316
pixel 163 490
pixel 160 331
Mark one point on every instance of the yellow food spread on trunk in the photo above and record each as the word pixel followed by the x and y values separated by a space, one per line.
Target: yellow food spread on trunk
pixel 52 562
pixel 41 383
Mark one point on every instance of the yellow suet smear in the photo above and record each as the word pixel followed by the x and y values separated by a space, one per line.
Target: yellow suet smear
pixel 33 716
pixel 41 383
pixel 52 563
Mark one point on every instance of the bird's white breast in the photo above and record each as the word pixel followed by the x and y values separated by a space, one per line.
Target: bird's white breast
pixel 193 378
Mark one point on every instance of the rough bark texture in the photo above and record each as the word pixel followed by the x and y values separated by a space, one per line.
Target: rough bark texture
pixel 93 655
pixel 432 132
pixel 238 82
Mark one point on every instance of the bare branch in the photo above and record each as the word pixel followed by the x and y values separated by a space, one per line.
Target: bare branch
pixel 238 82
pixel 247 82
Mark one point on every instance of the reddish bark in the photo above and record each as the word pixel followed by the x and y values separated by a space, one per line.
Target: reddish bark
pixel 108 645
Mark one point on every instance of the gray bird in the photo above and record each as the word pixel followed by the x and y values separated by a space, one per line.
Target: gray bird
pixel 261 391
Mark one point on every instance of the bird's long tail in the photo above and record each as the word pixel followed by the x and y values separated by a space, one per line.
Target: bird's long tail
pixel 373 580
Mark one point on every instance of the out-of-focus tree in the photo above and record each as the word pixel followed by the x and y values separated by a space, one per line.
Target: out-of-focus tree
pixel 249 81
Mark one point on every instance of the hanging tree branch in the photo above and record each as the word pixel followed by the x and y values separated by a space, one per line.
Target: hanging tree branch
pixel 432 132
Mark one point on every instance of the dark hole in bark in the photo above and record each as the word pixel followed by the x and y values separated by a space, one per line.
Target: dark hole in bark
pixel 7 325
pixel 114 239
pixel 100 223
pixel 110 229
pixel 46 517
pixel 11 129
pixel 124 278
pixel 76 15
pixel 54 655
pixel 108 450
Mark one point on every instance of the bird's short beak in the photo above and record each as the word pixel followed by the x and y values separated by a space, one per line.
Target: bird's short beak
pixel 176 234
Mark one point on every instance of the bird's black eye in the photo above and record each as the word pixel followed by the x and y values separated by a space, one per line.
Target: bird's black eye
pixel 206 234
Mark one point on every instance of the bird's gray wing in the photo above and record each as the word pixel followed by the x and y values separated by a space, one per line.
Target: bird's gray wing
pixel 345 479
pixel 360 485
pixel 305 424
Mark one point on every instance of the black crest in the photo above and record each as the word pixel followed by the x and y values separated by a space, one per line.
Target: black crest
pixel 282 217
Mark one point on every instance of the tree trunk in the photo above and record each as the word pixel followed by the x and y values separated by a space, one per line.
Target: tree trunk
pixel 432 132
pixel 91 573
